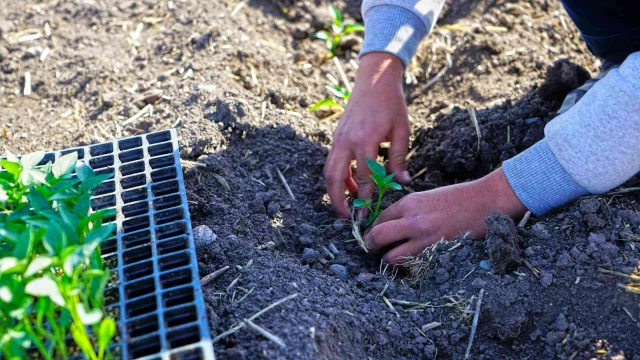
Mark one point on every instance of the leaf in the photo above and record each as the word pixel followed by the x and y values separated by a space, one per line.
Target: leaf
pixel 78 256
pixel 37 201
pixel 372 219
pixel 8 264
pixel 338 91
pixel 5 294
pixel 68 217
pixel 30 177
pixel 12 168
pixel 336 14
pixel 38 264
pixel 45 287
pixel 32 160
pixel 81 209
pixel 55 239
pixel 77 332
pixel 88 317
pixel 327 103
pixel 10 235
pixel 359 203
pixel 64 165
pixel 388 178
pixel 25 244
pixel 106 332
pixel 12 157
pixel 322 35
pixel 353 28
pixel 395 186
pixel 100 234
pixel 83 171
pixel 376 168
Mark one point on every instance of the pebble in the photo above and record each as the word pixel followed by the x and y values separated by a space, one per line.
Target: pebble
pixel 203 236
pixel 564 261
pixel 107 100
pixel 546 279
pixel 340 271
pixel 554 337
pixel 479 283
pixel 485 265
pixel 442 276
pixel 309 256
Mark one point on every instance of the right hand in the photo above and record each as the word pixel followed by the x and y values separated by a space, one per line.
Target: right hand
pixel 376 113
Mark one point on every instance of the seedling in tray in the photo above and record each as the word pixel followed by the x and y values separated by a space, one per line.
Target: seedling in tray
pixel 337 30
pixel 52 278
pixel 383 182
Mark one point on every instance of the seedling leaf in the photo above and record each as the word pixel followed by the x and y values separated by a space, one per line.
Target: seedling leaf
pixel 395 186
pixel 45 287
pixel 376 168
pixel 64 165
pixel 105 333
pixel 30 161
pixel 324 104
pixel 353 28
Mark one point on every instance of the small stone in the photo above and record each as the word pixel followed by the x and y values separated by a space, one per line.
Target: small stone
pixel 554 337
pixel 309 256
pixel 340 271
pixel 32 52
pixel 203 236
pixel 364 278
pixel 305 240
pixel 479 283
pixel 107 100
pixel 338 225
pixel 442 276
pixel 485 265
pixel 561 323
pixel 564 261
pixel 546 279
pixel 300 33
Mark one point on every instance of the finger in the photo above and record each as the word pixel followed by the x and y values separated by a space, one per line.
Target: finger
pixel 352 187
pixel 386 234
pixel 393 212
pixel 336 170
pixel 398 154
pixel 398 255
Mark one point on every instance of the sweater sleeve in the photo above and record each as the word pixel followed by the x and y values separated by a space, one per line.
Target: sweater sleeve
pixel 590 149
pixel 398 26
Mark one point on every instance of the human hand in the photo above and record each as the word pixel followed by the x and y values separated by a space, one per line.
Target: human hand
pixel 376 112
pixel 424 218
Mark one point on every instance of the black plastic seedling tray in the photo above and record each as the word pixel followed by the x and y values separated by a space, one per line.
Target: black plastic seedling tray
pixel 154 291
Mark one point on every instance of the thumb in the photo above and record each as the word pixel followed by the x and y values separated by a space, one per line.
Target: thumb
pixel 398 155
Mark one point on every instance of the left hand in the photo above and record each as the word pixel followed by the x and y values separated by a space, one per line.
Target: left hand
pixel 424 218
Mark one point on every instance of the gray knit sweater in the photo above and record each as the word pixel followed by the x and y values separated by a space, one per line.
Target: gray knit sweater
pixel 590 149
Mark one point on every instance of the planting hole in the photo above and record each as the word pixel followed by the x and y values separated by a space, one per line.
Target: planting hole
pixel 183 336
pixel 101 149
pixel 165 188
pixel 136 255
pixel 142 306
pixel 132 168
pixel 135 224
pixel 105 188
pixel 101 162
pixel 163 174
pixel 138 271
pixel 144 347
pixel 131 155
pixel 171 230
pixel 79 151
pixel 158 137
pixel 177 297
pixel 139 288
pixel 180 316
pixel 167 202
pixel 134 195
pixel 143 326
pixel 109 247
pixel 133 181
pixel 174 261
pixel 130 143
pixel 175 278
pixel 191 354
pixel 103 202
pixel 135 209
pixel 136 239
pixel 172 245
pixel 162 161
pixel 168 216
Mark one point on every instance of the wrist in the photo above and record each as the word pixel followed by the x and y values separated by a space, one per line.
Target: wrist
pixel 499 194
pixel 380 68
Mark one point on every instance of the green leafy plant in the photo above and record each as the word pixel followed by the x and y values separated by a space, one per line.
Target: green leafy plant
pixel 383 182
pixel 52 277
pixel 337 30
pixel 331 103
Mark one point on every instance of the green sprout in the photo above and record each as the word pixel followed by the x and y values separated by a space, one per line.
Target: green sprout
pixel 383 182
pixel 337 30
pixel 52 277
pixel 331 103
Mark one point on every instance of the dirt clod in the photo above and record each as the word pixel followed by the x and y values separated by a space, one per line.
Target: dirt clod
pixel 502 243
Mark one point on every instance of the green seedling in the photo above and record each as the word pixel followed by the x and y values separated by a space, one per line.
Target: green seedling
pixel 52 277
pixel 337 30
pixel 331 103
pixel 383 182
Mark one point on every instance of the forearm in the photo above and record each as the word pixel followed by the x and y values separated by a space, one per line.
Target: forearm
pixel 398 26
pixel 592 148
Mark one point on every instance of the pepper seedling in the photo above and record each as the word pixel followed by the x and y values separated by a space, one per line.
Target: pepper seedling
pixel 337 30
pixel 331 103
pixel 383 182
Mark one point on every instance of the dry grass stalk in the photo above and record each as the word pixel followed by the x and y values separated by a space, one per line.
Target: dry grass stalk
pixel 474 326
pixel 285 184
pixel 265 333
pixel 525 219
pixel 209 278
pixel 222 181
pixel 27 84
pixel 146 109
pixel 193 163
pixel 631 277
pixel 343 76
pixel 237 8
pixel 386 301
pixel 418 174
pixel 474 120
pixel 535 271
pixel 355 231
pixel 430 326
pixel 233 329
pixel 418 266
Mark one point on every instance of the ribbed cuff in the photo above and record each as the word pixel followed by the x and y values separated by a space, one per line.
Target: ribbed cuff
pixel 540 181
pixel 392 29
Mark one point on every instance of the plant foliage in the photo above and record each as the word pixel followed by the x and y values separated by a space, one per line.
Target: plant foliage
pixel 52 277
pixel 337 29
pixel 331 103
pixel 383 182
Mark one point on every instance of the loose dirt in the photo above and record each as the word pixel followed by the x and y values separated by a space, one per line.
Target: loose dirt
pixel 236 79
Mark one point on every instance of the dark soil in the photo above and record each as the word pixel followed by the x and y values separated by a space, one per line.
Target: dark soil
pixel 246 127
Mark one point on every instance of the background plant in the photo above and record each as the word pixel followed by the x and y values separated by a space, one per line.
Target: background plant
pixel 52 277
pixel 337 30
pixel 383 182
pixel 331 103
